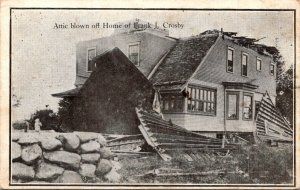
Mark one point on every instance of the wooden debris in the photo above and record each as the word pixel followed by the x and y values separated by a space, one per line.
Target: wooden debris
pixel 165 137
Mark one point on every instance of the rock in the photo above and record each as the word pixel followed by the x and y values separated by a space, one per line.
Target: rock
pixel 22 171
pixel 105 153
pixel 86 136
pixel 15 151
pixel 87 170
pixel 48 171
pixel 70 141
pixel 50 144
pixel 101 140
pixel 104 166
pixel 63 158
pixel 70 177
pixel 90 158
pixel 116 165
pixel 112 177
pixel 15 136
pixel 28 138
pixel 91 146
pixel 31 153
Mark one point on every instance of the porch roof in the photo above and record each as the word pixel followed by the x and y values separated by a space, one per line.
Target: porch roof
pixel 239 85
pixel 68 93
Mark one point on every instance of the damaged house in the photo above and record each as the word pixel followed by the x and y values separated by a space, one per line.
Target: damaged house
pixel 214 83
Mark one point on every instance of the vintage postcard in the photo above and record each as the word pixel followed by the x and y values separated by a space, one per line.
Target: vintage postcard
pixel 149 95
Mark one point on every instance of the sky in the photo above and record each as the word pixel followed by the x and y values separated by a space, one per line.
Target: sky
pixel 44 57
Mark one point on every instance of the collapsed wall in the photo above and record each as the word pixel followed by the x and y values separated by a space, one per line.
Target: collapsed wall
pixel 50 157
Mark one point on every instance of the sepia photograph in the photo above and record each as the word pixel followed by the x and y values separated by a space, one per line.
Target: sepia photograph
pixel 152 97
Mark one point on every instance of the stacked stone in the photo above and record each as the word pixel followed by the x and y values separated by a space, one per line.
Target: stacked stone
pixel 79 157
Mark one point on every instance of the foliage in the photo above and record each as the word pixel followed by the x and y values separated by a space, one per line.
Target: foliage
pixel 47 117
pixel 64 114
pixel 251 164
pixel 284 99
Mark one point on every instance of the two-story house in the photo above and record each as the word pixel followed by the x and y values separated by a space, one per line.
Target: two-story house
pixel 214 82
pixel 210 83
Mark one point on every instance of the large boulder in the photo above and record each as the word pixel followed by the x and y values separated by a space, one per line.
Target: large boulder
pixel 104 166
pixel 15 151
pixel 22 171
pixel 105 153
pixel 15 136
pixel 63 158
pixel 70 141
pixel 28 138
pixel 116 165
pixel 87 170
pixel 70 177
pixel 31 153
pixel 47 171
pixel 90 158
pixel 50 143
pixel 86 136
pixel 112 176
pixel 101 140
pixel 91 146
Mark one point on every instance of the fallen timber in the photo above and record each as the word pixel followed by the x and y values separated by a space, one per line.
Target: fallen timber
pixel 167 138
pixel 271 126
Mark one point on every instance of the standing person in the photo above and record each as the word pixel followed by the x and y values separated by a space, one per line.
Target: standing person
pixel 37 125
pixel 27 125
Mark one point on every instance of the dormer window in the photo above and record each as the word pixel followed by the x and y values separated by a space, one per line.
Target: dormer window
pixel 244 64
pixel 258 64
pixel 133 53
pixel 230 60
pixel 91 53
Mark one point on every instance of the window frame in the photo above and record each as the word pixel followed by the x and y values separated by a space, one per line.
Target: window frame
pixel 165 98
pixel 272 64
pixel 231 49
pixel 237 93
pixel 203 88
pixel 134 44
pixel 252 100
pixel 87 57
pixel 247 60
pixel 258 59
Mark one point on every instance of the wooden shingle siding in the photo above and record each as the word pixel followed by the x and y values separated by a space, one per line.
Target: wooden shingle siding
pixel 151 49
pixel 214 68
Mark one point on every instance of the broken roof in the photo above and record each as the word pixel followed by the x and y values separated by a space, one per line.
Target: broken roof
pixel 166 138
pixel 184 59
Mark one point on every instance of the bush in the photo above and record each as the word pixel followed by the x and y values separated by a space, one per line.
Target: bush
pixel 47 117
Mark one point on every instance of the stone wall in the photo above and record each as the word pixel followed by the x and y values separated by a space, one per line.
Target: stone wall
pixel 50 157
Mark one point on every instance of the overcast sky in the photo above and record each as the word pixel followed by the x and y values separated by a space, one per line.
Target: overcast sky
pixel 43 58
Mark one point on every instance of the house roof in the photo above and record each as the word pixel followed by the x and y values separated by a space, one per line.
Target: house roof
pixel 184 59
pixel 68 93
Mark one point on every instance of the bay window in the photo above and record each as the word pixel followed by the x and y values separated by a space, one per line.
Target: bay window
pixel 232 105
pixel 247 106
pixel 202 100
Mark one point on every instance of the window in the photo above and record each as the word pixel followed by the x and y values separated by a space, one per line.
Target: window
pixel 258 64
pixel 232 105
pixel 244 64
pixel 134 53
pixel 202 100
pixel 230 60
pixel 247 107
pixel 172 102
pixel 91 53
pixel 272 69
